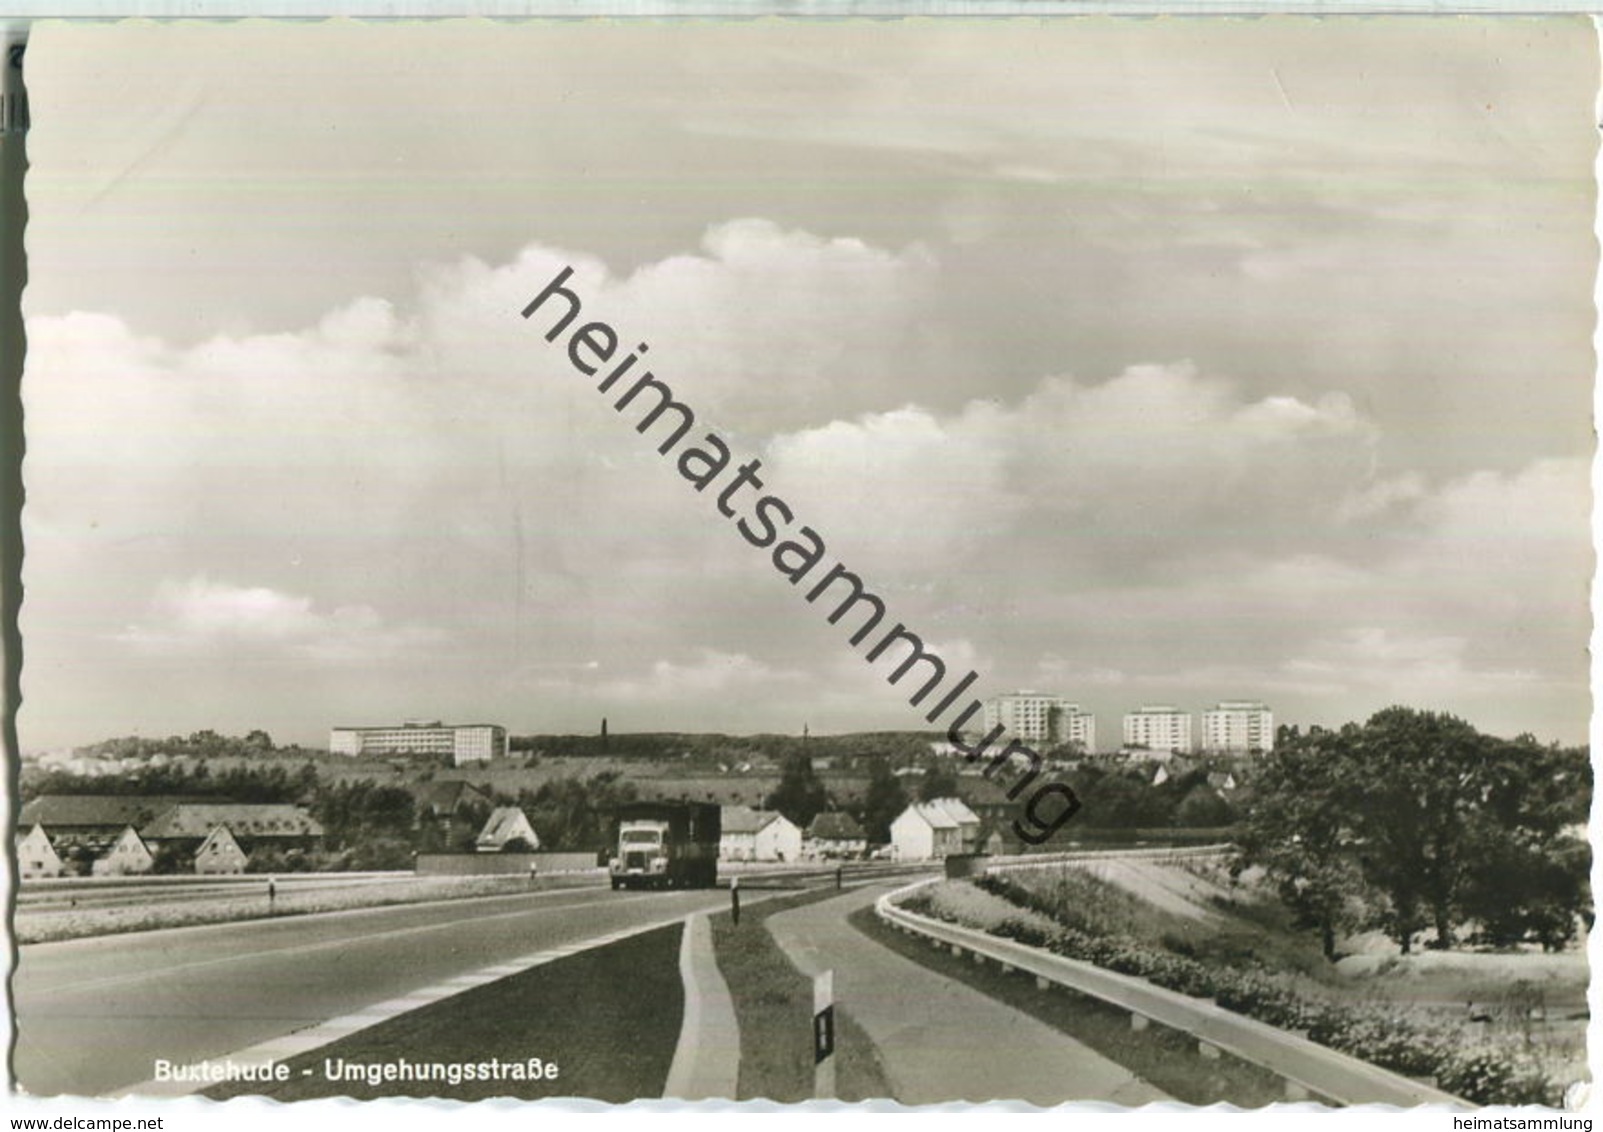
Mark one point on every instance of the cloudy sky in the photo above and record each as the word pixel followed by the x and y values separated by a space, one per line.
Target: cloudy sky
pixel 1136 361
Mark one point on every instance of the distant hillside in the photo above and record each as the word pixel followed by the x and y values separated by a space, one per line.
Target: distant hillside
pixel 666 745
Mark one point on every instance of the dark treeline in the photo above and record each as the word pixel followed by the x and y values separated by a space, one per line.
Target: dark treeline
pixel 206 744
pixel 275 782
pixel 846 750
pixel 1125 798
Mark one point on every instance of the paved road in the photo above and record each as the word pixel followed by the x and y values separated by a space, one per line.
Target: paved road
pixel 939 1039
pixel 92 1015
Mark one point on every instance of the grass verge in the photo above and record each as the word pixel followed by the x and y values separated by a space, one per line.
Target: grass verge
pixel 1164 1058
pixel 77 923
pixel 608 1018
pixel 774 1006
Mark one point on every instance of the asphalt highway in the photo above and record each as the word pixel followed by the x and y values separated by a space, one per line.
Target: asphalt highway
pixel 93 1015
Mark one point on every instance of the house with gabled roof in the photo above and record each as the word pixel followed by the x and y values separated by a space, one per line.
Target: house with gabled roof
pixel 281 825
pixel 126 856
pixel 758 835
pixel 220 853
pixel 37 857
pixel 836 834
pixel 506 825
pixel 96 816
pixel 938 828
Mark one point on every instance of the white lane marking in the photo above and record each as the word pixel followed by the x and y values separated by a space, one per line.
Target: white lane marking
pixel 301 949
pixel 196 931
pixel 304 1041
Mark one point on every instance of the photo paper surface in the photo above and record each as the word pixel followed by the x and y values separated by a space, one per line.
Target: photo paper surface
pixel 915 560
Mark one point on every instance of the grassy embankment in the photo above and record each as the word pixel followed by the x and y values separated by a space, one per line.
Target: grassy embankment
pixel 774 1006
pixel 608 1017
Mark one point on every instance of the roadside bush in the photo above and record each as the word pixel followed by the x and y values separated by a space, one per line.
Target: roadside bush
pixel 380 853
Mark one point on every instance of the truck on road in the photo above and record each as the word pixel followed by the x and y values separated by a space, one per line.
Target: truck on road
pixel 665 845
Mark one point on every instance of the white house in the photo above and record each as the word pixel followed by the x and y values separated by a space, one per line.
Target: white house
pixel 220 853
pixel 36 857
pixel 128 855
pixel 758 835
pixel 930 830
pixel 507 823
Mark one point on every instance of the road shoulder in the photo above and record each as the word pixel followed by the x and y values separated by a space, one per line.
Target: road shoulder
pixel 939 1039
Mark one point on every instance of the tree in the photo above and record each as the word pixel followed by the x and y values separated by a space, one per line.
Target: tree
pixel 1424 775
pixel 576 814
pixel 1299 829
pixel 883 802
pixel 939 782
pixel 355 813
pixel 1125 800
pixel 800 795
pixel 1203 807
pixel 1527 873
pixel 1519 892
pixel 170 858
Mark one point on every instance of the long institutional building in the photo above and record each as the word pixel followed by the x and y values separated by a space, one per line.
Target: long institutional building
pixel 465 743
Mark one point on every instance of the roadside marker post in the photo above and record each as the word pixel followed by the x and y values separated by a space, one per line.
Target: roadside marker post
pixel 824 1035
pixel 734 899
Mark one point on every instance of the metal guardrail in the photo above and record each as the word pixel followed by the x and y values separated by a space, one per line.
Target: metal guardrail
pixel 1314 1068
pixel 1103 853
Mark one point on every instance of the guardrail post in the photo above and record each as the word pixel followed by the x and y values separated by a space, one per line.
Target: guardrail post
pixel 824 1035
pixel 734 899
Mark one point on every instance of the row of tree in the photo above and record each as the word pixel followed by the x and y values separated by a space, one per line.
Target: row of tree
pixel 204 744
pixel 1414 822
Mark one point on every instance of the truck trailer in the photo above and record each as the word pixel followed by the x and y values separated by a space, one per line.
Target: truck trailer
pixel 665 845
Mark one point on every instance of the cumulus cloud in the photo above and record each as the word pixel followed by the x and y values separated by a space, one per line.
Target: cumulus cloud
pixel 205 617
pixel 420 475
pixel 1157 465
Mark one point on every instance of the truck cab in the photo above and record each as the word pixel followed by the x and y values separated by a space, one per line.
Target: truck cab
pixel 642 856
pixel 665 845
